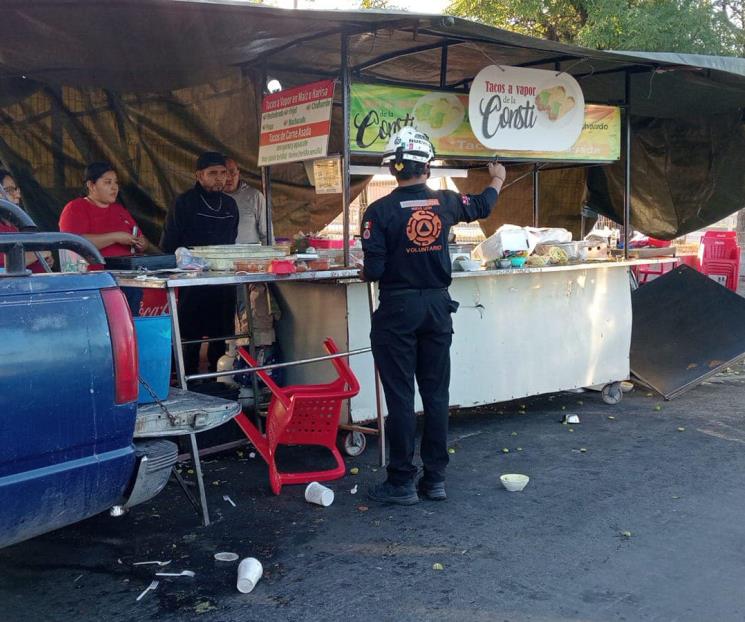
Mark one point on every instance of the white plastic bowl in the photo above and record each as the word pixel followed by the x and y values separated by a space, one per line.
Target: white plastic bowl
pixel 514 482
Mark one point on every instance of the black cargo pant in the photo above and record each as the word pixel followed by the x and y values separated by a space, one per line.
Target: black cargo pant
pixel 411 336
pixel 205 312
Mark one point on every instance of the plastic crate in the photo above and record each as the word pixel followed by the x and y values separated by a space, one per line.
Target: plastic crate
pixel 154 355
pixel 327 243
pixel 282 266
pixel 720 245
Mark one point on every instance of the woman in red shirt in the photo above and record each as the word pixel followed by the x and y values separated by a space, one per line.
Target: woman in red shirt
pixel 101 219
pixel 105 222
pixel 13 192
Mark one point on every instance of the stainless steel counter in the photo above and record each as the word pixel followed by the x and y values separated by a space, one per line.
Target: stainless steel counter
pixel 161 280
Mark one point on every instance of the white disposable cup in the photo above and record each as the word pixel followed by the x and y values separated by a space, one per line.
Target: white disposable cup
pixel 249 573
pixel 318 494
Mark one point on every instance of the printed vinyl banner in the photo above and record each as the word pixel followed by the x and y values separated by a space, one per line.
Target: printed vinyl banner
pixel 295 124
pixel 379 111
pixel 525 109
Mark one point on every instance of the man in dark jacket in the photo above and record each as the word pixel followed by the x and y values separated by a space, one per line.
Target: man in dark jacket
pixel 404 238
pixel 204 216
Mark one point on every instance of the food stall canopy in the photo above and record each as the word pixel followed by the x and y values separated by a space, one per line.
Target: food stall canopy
pixel 149 83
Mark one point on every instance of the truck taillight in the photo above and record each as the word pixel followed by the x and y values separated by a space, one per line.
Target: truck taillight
pixel 124 345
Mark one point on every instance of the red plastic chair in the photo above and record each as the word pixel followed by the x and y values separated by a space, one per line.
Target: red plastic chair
pixel 644 271
pixel 720 245
pixel 301 415
pixel 720 256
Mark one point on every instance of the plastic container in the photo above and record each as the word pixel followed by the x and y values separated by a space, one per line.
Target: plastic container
pixel 518 262
pixel 327 243
pixel 282 266
pixel 655 243
pixel 252 265
pixel 322 263
pixel 154 355
pixel 575 251
pixel 225 257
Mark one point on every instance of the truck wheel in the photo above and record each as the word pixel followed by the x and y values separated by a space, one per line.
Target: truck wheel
pixel 612 393
pixel 354 443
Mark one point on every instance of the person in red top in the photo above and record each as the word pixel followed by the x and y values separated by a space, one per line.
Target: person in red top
pixel 10 191
pixel 101 219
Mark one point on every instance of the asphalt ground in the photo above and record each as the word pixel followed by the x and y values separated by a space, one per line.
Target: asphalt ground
pixel 645 524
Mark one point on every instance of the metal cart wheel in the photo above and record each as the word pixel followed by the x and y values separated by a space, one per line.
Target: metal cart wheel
pixel 354 443
pixel 612 393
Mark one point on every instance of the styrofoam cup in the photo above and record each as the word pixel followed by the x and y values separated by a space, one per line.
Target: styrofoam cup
pixel 249 573
pixel 318 494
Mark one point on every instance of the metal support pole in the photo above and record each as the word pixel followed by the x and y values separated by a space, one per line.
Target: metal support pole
pixel 315 359
pixel 200 479
pixel 346 79
pixel 178 351
pixel 444 66
pixel 536 198
pixel 266 186
pixel 627 176
pixel 378 396
pixel 266 171
pixel 178 356
pixel 252 351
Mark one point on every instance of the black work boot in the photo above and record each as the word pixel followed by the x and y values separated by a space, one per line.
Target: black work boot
pixel 434 491
pixel 404 494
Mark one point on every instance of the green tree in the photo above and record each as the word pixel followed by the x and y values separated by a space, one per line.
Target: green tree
pixel 692 26
pixel 730 23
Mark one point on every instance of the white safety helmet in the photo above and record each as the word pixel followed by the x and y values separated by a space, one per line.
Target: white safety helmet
pixel 408 144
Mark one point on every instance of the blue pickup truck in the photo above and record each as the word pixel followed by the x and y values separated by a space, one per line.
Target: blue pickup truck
pixel 68 393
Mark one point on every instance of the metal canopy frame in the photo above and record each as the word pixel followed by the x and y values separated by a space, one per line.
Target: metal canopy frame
pixel 345 74
pixel 444 45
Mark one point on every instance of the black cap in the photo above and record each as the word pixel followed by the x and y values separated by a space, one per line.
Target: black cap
pixel 210 158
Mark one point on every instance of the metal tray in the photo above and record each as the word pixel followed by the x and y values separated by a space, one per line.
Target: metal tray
pixel 141 262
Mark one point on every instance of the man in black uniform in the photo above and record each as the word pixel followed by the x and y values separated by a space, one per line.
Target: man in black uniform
pixel 203 216
pixel 404 238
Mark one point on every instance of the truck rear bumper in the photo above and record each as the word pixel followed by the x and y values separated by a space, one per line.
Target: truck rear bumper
pixel 155 459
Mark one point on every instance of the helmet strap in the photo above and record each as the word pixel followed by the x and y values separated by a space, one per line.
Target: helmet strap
pixel 398 161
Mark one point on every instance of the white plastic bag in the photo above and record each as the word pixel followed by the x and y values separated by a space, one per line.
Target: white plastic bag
pixel 186 261
pixel 547 235
pixel 508 238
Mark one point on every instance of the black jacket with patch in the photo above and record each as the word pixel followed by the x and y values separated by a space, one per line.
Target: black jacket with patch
pixel 404 235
